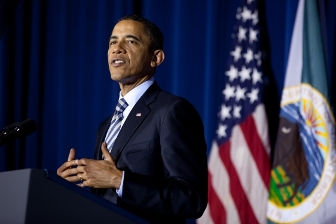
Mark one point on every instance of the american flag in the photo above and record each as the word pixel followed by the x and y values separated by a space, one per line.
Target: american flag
pixel 239 163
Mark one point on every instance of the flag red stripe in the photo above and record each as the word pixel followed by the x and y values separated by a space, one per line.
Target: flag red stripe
pixel 257 149
pixel 217 210
pixel 243 206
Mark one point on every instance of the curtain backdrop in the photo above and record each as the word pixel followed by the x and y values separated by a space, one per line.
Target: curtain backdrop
pixel 53 65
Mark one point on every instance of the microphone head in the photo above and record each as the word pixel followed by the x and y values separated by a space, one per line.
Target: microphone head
pixel 9 128
pixel 25 128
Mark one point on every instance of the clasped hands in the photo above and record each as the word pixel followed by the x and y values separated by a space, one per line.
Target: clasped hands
pixel 91 173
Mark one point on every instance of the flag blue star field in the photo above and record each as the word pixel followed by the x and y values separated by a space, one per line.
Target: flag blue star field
pixel 239 164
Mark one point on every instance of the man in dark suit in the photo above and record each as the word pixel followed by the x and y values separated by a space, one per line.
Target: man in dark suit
pixel 156 165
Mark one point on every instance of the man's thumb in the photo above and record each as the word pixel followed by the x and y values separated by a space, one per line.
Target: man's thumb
pixel 105 152
pixel 72 154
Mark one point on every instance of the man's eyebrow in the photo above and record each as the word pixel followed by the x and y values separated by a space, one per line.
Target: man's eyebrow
pixel 113 37
pixel 132 37
pixel 127 36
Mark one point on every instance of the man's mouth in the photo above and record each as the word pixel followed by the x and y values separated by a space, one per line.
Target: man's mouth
pixel 117 62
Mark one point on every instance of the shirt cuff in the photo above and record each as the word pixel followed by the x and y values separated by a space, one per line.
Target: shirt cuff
pixel 119 191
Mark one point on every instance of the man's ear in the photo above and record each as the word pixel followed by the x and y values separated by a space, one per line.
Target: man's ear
pixel 158 57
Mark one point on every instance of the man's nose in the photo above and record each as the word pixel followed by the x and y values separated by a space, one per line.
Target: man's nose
pixel 118 48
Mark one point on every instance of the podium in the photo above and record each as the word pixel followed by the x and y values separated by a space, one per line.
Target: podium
pixel 38 196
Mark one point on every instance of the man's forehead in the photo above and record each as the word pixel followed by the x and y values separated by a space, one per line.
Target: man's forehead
pixel 130 26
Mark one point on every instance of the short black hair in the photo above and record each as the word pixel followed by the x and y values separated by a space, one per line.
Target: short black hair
pixel 152 31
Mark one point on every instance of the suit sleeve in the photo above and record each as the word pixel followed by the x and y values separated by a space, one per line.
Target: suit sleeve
pixel 182 191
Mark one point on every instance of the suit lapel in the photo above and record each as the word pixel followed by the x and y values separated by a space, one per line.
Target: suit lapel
pixel 139 112
pixel 104 129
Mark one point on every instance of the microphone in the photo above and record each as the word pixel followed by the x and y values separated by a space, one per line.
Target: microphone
pixel 17 130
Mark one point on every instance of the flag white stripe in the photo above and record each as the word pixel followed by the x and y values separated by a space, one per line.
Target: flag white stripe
pixel 220 183
pixel 206 217
pixel 249 176
pixel 259 116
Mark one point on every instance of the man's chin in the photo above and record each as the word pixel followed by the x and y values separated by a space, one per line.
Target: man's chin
pixel 122 80
pixel 116 77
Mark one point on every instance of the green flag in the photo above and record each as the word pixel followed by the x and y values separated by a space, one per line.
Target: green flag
pixel 303 167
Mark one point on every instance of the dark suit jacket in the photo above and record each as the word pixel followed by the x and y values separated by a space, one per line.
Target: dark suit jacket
pixel 163 156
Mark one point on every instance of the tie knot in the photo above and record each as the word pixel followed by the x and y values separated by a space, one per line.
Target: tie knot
pixel 121 106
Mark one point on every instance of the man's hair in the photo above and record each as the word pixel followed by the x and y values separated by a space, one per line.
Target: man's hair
pixel 152 31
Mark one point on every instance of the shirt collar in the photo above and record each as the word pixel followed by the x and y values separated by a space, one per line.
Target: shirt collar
pixel 133 96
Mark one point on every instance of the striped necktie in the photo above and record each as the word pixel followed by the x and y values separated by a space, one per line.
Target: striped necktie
pixel 115 125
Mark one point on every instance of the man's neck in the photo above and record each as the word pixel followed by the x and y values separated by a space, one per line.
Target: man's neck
pixel 126 88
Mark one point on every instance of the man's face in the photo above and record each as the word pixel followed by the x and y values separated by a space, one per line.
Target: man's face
pixel 129 57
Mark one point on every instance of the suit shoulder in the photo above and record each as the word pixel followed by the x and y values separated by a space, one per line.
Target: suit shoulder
pixel 169 100
pixel 155 93
pixel 169 97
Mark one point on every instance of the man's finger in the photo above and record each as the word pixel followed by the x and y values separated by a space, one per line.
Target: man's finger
pixel 72 154
pixel 66 166
pixel 105 152
pixel 82 162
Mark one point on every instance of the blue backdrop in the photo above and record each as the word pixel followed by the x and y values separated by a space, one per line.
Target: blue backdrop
pixel 53 65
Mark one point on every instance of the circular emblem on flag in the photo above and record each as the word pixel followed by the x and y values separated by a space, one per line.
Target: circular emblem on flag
pixel 303 167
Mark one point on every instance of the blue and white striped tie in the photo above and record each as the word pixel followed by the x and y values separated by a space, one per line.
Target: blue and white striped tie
pixel 115 125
